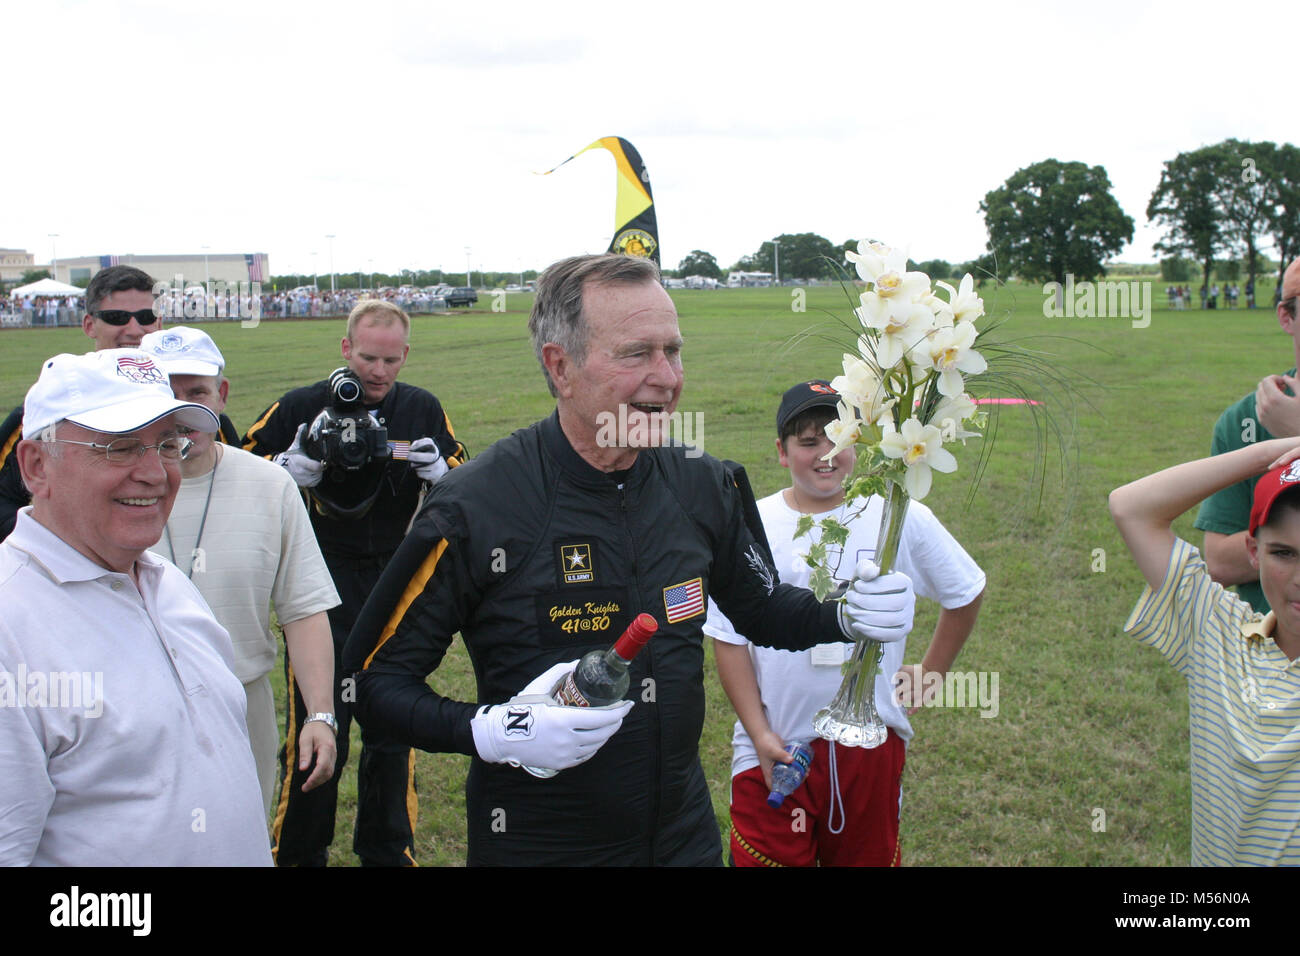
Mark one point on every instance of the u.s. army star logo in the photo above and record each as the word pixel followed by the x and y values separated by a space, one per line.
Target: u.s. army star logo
pixel 576 565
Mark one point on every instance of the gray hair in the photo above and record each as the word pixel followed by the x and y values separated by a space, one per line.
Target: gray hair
pixel 557 310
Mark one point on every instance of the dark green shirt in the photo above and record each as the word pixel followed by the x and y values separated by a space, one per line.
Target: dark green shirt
pixel 1228 511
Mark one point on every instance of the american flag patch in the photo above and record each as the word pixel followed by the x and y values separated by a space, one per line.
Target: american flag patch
pixel 399 449
pixel 684 600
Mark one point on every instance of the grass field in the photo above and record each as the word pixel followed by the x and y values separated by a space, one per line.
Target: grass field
pixel 1091 729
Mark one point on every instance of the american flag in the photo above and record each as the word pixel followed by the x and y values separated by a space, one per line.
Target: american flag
pixel 684 600
pixel 107 261
pixel 254 262
pixel 399 449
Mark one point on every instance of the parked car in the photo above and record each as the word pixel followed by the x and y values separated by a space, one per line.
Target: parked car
pixel 460 296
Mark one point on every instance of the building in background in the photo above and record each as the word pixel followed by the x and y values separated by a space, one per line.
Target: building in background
pixel 14 263
pixel 227 267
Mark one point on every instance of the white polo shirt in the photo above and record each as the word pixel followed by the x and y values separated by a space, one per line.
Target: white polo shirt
pixel 122 722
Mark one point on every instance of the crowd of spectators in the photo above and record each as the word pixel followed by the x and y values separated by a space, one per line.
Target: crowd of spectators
pixel 295 303
pixel 1179 296
pixel 43 309
pixel 305 303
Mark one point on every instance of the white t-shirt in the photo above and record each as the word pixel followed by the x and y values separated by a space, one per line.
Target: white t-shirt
pixel 257 547
pixel 794 685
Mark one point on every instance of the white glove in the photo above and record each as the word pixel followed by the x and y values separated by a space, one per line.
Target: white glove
pixel 877 607
pixel 532 730
pixel 428 461
pixel 305 471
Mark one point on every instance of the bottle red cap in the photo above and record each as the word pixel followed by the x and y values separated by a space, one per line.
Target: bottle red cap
pixel 631 641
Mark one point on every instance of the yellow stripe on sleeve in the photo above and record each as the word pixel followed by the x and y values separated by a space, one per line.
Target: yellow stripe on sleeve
pixel 414 588
pixel 252 441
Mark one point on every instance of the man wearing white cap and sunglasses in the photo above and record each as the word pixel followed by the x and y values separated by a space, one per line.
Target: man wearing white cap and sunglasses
pixel 241 532
pixel 122 720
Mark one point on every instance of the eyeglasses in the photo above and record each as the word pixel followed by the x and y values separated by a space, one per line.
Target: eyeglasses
pixel 126 451
pixel 122 316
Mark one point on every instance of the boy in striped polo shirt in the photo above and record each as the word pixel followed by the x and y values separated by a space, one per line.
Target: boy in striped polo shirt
pixel 1242 668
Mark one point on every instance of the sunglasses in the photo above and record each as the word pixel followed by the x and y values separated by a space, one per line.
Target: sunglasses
pixel 122 317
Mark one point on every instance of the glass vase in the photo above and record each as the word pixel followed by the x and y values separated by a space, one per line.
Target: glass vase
pixel 852 719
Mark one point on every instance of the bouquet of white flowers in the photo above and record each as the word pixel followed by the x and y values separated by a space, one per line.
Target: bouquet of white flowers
pixel 903 397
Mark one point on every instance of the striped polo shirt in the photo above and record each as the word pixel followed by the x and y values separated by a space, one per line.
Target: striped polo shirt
pixel 1243 699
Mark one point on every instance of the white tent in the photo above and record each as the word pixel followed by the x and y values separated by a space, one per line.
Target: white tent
pixel 47 287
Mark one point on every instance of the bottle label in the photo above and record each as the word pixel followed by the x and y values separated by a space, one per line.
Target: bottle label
pixel 568 694
pixel 802 756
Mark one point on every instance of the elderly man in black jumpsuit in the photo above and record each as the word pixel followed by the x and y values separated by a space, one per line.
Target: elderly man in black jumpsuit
pixel 546 546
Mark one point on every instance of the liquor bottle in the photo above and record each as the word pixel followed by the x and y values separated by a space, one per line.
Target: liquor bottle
pixel 786 777
pixel 601 677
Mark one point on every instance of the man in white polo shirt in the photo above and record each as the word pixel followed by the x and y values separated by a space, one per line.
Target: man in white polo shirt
pixel 122 721
pixel 241 533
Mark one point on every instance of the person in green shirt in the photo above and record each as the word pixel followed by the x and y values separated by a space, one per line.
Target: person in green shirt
pixel 1271 411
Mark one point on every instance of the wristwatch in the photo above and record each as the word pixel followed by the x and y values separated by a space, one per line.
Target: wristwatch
pixel 324 717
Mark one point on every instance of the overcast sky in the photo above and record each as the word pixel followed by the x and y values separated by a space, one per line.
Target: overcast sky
pixel 414 130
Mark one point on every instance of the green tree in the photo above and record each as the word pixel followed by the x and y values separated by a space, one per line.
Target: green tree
pixel 804 255
pixel 1176 269
pixel 1282 187
pixel 34 275
pixel 1187 202
pixel 1245 197
pixel 1054 218
pixel 936 268
pixel 699 263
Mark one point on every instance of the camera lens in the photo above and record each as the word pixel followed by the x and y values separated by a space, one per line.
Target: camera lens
pixel 347 391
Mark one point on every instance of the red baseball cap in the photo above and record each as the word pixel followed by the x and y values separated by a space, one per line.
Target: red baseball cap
pixel 1269 488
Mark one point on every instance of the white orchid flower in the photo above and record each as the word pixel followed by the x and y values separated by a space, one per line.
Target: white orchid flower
pixel 842 431
pixel 900 324
pixel 862 389
pixel 965 305
pixel 921 449
pixel 874 258
pixel 949 352
pixel 949 415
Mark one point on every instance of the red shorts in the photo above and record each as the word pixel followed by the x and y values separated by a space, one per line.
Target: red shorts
pixel 800 831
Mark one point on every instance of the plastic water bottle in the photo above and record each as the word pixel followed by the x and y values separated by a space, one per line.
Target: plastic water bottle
pixel 786 777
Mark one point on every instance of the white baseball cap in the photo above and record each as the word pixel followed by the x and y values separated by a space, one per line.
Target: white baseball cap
pixel 112 391
pixel 182 350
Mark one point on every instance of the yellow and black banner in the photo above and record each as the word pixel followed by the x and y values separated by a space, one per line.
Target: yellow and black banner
pixel 635 231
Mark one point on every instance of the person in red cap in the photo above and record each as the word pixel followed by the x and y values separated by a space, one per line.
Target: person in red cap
pixel 1242 667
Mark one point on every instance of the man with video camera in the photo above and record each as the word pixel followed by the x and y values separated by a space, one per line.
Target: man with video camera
pixel 363 447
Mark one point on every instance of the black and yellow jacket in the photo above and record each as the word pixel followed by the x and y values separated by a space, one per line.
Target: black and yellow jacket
pixel 535 557
pixel 408 413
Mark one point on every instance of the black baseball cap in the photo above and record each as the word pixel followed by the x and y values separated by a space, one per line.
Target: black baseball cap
pixel 801 397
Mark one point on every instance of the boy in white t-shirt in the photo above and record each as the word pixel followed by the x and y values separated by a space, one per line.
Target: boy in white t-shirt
pixel 846 812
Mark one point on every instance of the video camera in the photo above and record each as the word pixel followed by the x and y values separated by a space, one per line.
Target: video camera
pixel 353 446
pixel 344 435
